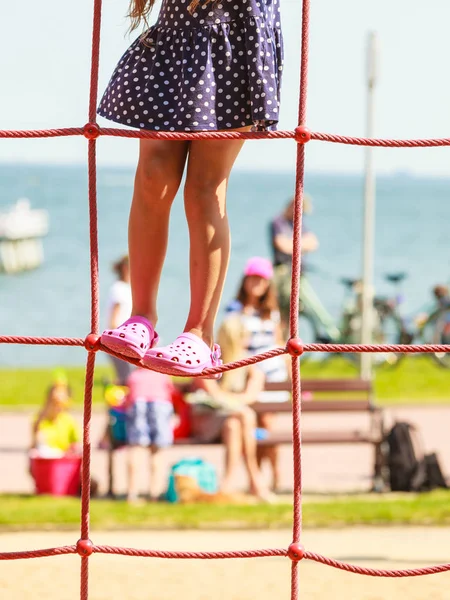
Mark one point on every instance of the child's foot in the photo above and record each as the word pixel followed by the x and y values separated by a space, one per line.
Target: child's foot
pixel 188 355
pixel 135 500
pixel 267 497
pixel 133 338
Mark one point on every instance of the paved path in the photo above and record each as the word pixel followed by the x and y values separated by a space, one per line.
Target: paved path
pixel 329 468
pixel 126 578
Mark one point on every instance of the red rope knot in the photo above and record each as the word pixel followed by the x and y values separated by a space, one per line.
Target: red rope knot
pixel 85 548
pixel 302 134
pixel 295 347
pixel 91 131
pixel 296 551
pixel 92 342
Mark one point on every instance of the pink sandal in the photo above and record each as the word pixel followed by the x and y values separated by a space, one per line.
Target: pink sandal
pixel 133 338
pixel 188 355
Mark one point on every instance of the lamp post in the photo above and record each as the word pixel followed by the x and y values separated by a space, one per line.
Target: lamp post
pixel 369 210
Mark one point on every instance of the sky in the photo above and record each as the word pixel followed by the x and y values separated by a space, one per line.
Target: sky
pixel 44 73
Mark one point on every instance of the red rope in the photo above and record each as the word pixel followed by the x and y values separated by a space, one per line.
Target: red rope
pixel 38 553
pixel 95 59
pixel 92 344
pixel 84 578
pixel 41 341
pixel 86 473
pixel 295 295
pixel 93 239
pixel 230 554
pixel 227 135
pixel 189 555
pixel 337 564
pixel 41 133
pixel 354 141
pixel 203 135
pixel 413 349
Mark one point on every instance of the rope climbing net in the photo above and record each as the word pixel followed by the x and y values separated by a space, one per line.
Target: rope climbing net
pixel 294 347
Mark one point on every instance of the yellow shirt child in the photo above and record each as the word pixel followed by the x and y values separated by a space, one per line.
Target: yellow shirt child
pixel 61 433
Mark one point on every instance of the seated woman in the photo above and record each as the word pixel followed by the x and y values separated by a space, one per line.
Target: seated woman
pixel 55 432
pixel 222 411
pixel 256 306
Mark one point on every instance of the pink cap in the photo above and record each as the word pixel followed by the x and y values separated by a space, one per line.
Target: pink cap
pixel 259 266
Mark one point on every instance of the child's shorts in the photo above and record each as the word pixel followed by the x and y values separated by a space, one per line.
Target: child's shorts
pixel 149 423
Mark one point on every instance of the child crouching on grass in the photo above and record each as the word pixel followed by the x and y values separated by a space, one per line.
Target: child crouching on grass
pixel 149 411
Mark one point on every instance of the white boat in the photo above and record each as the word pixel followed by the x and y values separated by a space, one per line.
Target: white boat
pixel 21 231
pixel 20 221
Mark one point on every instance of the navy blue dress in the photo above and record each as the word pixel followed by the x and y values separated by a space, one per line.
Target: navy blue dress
pixel 215 69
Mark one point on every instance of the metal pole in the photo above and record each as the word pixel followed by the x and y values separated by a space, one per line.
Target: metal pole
pixel 369 212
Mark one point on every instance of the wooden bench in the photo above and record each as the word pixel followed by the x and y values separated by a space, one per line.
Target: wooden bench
pixel 338 396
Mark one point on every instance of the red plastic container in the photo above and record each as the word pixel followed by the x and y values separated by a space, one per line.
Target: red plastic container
pixel 57 476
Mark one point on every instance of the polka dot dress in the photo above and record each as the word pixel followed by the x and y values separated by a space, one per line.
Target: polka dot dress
pixel 217 68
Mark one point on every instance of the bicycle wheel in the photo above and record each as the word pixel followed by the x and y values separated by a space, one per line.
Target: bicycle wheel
pixel 308 333
pixel 388 329
pixel 436 330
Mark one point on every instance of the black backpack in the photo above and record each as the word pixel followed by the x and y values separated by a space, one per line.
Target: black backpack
pixel 409 469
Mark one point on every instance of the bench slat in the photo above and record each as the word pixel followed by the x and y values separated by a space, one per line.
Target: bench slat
pixel 315 406
pixel 308 437
pixel 323 385
pixel 323 437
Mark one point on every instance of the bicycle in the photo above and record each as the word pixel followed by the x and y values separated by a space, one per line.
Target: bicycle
pixel 433 327
pixel 429 326
pixel 318 326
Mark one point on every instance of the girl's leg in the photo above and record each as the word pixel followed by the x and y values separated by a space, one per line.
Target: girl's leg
pixel 158 176
pixel 232 439
pixel 208 170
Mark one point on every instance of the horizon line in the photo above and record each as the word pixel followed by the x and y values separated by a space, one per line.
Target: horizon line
pixel 398 173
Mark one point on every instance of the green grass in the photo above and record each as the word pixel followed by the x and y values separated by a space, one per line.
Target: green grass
pixel 28 387
pixel 40 512
pixel 417 380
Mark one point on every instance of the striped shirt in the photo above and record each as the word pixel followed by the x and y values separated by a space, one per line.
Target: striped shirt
pixel 262 337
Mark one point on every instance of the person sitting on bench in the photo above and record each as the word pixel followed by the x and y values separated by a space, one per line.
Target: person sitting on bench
pixel 256 306
pixel 221 411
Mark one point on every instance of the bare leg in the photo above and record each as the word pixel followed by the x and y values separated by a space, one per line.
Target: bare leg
pixel 158 177
pixel 156 483
pixel 248 421
pixel 209 166
pixel 272 456
pixel 270 452
pixel 232 439
pixel 132 491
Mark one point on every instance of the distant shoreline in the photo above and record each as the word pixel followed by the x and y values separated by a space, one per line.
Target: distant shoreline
pixel 383 175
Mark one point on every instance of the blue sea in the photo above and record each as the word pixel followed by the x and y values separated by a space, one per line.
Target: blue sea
pixel 412 235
